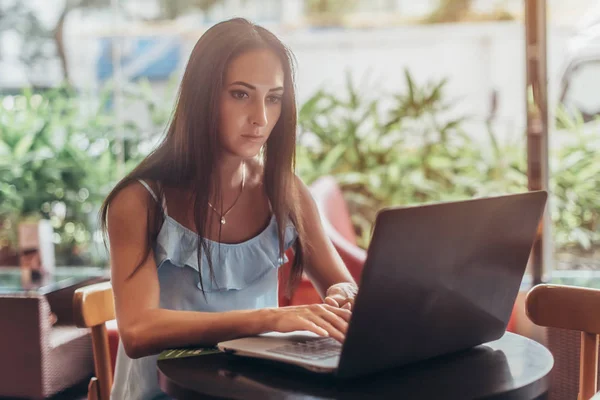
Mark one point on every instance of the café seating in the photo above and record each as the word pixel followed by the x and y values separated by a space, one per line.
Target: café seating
pixel 93 306
pixel 39 358
pixel 570 308
pixel 337 223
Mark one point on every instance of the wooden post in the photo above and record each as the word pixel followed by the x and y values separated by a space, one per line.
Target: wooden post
pixel 537 116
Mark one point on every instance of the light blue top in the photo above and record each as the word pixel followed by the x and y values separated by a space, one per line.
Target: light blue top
pixel 245 278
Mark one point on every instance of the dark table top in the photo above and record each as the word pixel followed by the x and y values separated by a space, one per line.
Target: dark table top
pixel 13 282
pixel 512 367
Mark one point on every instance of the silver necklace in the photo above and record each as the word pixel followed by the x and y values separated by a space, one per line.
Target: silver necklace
pixel 222 216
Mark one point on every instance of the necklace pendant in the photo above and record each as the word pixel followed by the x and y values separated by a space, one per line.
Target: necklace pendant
pixel 223 221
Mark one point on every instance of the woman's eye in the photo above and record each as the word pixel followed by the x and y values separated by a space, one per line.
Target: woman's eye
pixel 238 94
pixel 274 99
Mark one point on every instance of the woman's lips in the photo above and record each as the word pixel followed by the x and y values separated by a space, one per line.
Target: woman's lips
pixel 253 138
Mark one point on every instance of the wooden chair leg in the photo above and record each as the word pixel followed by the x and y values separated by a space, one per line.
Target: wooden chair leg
pixel 588 366
pixel 102 363
pixel 93 389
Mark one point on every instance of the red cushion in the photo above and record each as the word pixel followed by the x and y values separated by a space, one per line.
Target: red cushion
pixel 113 341
pixel 512 323
pixel 337 224
pixel 333 207
pixel 338 227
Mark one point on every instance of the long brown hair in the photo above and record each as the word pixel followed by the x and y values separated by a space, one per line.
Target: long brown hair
pixel 186 157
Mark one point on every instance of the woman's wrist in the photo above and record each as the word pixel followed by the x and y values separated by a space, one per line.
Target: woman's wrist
pixel 346 287
pixel 262 320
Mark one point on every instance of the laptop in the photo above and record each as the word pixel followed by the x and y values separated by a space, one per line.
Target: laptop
pixel 438 278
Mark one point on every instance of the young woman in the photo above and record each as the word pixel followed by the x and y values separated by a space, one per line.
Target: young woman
pixel 199 229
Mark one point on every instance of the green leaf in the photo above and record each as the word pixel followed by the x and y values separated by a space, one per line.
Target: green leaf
pixel 332 158
pixel 24 146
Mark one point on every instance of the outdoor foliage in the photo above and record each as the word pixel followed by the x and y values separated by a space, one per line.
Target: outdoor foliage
pixel 58 161
pixel 575 184
pixel 58 158
pixel 412 152
pixel 448 11
pixel 416 151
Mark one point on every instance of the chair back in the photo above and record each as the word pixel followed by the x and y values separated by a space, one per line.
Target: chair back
pixel 331 203
pixel 337 223
pixel 93 306
pixel 572 308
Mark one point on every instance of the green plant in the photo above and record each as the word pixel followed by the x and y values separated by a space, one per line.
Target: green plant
pixel 452 11
pixel 329 13
pixel 329 7
pixel 413 151
pixel 43 165
pixel 58 160
pixel 575 183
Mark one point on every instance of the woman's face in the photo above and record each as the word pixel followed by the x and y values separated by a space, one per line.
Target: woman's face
pixel 250 102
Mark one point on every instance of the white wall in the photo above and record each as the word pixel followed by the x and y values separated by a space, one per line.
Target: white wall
pixel 475 58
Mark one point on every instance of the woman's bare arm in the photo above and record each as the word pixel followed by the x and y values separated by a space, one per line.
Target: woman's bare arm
pixel 324 265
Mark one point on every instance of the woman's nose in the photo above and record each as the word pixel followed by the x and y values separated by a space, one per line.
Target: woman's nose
pixel 258 116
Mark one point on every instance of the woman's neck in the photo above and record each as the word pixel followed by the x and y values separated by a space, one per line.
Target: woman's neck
pixel 231 173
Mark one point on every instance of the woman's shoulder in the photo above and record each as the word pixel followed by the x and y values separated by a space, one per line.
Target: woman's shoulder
pixel 151 186
pixel 137 190
pixel 132 201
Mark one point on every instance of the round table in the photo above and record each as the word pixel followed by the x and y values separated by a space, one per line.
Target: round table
pixel 512 367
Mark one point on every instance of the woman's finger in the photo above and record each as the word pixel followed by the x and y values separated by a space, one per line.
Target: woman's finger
pixel 309 325
pixel 331 301
pixel 344 313
pixel 326 325
pixel 341 299
pixel 338 297
pixel 338 322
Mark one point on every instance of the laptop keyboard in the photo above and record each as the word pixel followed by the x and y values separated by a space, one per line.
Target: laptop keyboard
pixel 312 349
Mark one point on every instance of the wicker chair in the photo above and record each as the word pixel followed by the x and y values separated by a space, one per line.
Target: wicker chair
pixel 571 314
pixel 40 359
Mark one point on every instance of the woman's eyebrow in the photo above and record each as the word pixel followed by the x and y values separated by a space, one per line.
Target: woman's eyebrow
pixel 249 86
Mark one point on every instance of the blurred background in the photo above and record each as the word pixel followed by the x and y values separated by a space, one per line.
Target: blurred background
pixel 403 102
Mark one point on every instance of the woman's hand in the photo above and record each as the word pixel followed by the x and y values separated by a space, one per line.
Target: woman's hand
pixel 341 295
pixel 322 319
